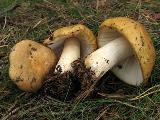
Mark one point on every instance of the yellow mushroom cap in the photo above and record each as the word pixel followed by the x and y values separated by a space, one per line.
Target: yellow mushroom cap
pixel 29 63
pixel 139 40
pixel 81 32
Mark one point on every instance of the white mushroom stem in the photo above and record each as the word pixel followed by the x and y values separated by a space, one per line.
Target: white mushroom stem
pixel 70 53
pixel 108 56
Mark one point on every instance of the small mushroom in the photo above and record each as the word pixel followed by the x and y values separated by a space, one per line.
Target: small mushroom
pixel 29 63
pixel 76 41
pixel 126 48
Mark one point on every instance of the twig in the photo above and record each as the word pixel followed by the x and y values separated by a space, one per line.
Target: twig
pixel 5 21
pixel 129 105
pixel 3 46
pixel 39 22
pixel 101 114
pixel 10 113
pixel 84 94
pixel 140 97
pixel 7 36
pixel 115 96
pixel 97 5
pixel 146 93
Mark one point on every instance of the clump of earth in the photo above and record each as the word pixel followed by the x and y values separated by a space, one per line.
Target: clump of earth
pixel 78 85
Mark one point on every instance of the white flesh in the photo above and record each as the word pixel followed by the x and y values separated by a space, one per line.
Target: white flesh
pixel 70 53
pixel 129 71
pixel 108 56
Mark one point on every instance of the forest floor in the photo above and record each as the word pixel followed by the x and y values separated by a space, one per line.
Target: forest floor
pixel 36 19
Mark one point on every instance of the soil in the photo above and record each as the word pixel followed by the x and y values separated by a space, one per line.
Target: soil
pixel 92 86
pixel 60 86
pixel 85 77
pixel 79 85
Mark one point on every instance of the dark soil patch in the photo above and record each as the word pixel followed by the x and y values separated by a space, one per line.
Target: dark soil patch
pixel 60 86
pixel 79 85
pixel 92 86
pixel 85 77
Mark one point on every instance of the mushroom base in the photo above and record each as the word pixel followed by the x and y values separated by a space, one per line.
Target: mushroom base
pixel 92 87
pixel 81 84
pixel 61 86
pixel 69 86
pixel 86 78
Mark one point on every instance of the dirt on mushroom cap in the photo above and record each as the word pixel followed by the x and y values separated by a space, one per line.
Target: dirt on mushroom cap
pixel 138 38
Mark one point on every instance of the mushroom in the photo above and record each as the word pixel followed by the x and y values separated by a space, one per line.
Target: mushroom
pixel 29 63
pixel 76 41
pixel 125 48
